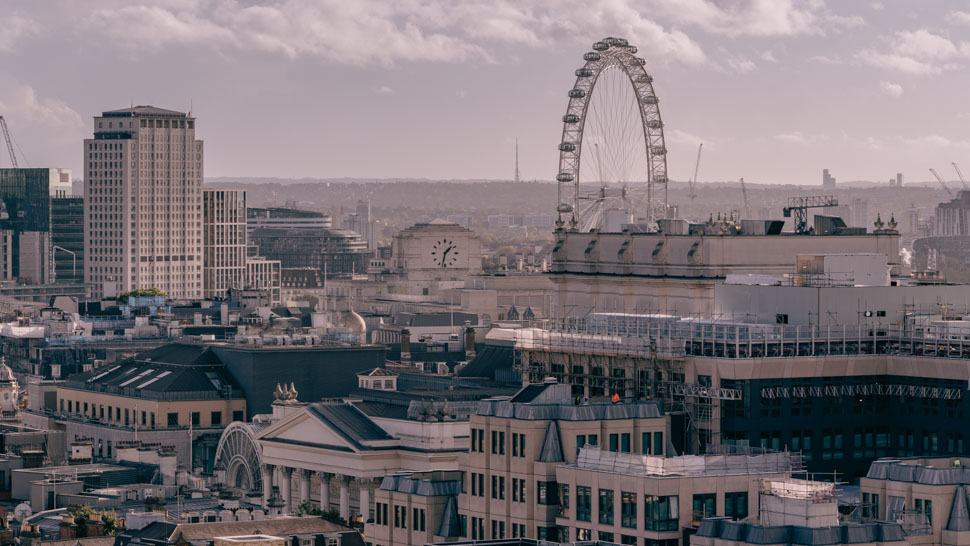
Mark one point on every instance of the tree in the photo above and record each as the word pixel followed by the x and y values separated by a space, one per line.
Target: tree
pixel 141 293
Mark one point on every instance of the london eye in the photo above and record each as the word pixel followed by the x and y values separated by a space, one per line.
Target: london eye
pixel 612 141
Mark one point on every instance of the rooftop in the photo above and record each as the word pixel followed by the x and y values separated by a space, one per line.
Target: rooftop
pixel 631 464
pixel 148 111
pixel 554 401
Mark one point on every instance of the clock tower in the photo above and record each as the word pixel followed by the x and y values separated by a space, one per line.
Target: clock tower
pixel 436 254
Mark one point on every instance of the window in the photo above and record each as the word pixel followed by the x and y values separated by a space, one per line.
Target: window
pixel 237 415
pixel 925 507
pixel 736 505
pixel 704 506
pixel 583 535
pixel 418 519
pixel 477 528
pixel 625 442
pixel 781 319
pixel 522 445
pixel 498 487
pixel 515 444
pixel 627 539
pixel 661 513
pixel 173 419
pixel 564 500
pixel 606 506
pixel 518 490
pixel 658 443
pixel 196 418
pixel 216 418
pixel 580 440
pixel 546 492
pixel 592 440
pixel 614 442
pixel 401 517
pixel 498 529
pixel 628 510
pixel 474 440
pixel 498 443
pixel 463 525
pixel 583 504
pixel 605 537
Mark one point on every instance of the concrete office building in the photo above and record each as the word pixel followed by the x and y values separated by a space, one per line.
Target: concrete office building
pixel 143 203
pixel 799 512
pixel 361 223
pixel 282 218
pixel 927 496
pixel 265 275
pixel 35 257
pixel 223 241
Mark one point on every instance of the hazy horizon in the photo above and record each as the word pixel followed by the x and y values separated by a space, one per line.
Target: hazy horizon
pixel 430 89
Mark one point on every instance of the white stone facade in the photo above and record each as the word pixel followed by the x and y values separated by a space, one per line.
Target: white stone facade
pixel 224 241
pixel 143 203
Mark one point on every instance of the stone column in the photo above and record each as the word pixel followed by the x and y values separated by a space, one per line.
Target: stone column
pixel 324 490
pixel 286 482
pixel 345 497
pixel 304 486
pixel 269 472
pixel 365 485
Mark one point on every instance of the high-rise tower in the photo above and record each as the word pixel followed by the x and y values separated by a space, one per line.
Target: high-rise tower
pixel 143 203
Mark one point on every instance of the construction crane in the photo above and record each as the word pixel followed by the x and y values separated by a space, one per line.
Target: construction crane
pixel 697 165
pixel 744 193
pixel 960 174
pixel 797 209
pixel 6 137
pixel 942 183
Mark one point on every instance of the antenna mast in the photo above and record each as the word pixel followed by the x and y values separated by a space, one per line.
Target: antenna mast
pixel 516 160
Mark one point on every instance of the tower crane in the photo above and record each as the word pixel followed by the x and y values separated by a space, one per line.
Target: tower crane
pixel 6 137
pixel 960 174
pixel 744 193
pixel 697 165
pixel 940 180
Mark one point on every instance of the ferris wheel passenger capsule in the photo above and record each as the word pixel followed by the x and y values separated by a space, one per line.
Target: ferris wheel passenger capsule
pixel 600 46
pixel 570 118
pixel 591 56
pixel 641 61
pixel 650 99
pixel 576 93
pixel 564 208
pixel 632 49
pixel 564 177
pixel 583 72
pixel 654 124
pixel 567 147
pixel 646 78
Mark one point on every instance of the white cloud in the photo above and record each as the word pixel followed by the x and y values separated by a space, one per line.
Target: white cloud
pixel 918 52
pixel 768 56
pixel 386 90
pixel 959 17
pixel 21 103
pixel 891 89
pixel 845 22
pixel 824 59
pixel 14 28
pixel 366 32
pixel 791 138
pixel 876 6
pixel 745 17
pixel 741 65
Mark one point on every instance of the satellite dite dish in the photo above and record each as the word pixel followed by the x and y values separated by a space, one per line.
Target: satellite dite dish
pixel 22 511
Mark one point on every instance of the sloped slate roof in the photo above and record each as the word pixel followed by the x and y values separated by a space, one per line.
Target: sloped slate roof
pixel 144 111
pixel 351 423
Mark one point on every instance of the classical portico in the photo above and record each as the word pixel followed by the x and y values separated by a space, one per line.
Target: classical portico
pixel 333 455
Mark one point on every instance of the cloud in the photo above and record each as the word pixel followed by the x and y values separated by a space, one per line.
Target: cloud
pixel 959 17
pixel 823 59
pixel 367 32
pixel 891 89
pixel 918 52
pixel 876 6
pixel 741 65
pixel 386 90
pixel 745 17
pixel 20 102
pixel 14 28
pixel 844 22
pixel 791 138
pixel 768 56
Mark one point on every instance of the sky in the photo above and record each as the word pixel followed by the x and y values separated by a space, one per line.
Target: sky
pixel 776 90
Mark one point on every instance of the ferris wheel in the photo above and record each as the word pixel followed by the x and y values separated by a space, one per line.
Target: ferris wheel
pixel 613 112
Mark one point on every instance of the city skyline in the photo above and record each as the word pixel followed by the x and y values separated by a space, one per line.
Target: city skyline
pixel 775 91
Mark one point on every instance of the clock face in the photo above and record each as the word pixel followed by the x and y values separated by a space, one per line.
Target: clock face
pixel 444 253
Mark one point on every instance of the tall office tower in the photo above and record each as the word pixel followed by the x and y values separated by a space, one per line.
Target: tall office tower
pixel 360 222
pixel 223 241
pixel 25 206
pixel 143 203
pixel 828 181
pixel 67 239
pixel 899 180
